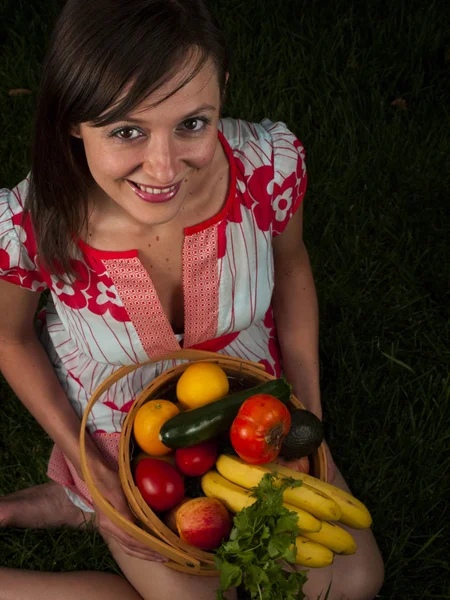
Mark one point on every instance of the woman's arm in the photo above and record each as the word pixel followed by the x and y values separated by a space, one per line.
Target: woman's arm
pixel 296 314
pixel 297 320
pixel 27 368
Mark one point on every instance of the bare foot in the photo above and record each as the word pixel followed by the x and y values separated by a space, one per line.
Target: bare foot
pixel 41 506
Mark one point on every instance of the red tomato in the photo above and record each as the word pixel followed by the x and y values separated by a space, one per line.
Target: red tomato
pixel 160 483
pixel 259 428
pixel 196 460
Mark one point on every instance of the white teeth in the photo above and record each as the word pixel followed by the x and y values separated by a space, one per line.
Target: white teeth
pixel 150 190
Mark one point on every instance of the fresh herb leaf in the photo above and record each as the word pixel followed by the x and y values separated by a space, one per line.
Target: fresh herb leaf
pixel 278 545
pixel 230 575
pixel 232 546
pixel 261 548
pixel 290 554
pixel 286 523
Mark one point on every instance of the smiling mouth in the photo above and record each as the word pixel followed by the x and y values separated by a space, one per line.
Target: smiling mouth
pixel 155 191
pixel 154 195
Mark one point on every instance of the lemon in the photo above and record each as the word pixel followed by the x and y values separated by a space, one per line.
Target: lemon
pixel 200 384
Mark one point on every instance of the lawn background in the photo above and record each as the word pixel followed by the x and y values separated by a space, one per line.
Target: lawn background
pixel 365 85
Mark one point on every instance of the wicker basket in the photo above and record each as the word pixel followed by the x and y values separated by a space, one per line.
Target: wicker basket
pixel 152 531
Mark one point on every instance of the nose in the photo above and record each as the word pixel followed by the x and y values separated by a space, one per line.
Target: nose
pixel 160 161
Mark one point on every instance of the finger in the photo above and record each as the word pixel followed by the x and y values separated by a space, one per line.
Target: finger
pixel 148 557
pixel 142 552
pixel 139 553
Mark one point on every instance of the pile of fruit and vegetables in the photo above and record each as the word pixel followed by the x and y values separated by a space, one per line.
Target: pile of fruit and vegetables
pixel 210 453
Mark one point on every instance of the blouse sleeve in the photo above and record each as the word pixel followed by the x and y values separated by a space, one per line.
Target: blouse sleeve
pixel 18 260
pixel 289 183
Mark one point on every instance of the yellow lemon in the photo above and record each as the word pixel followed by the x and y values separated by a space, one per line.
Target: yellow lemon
pixel 201 384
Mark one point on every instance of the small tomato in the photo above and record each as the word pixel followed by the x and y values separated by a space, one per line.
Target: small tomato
pixel 160 483
pixel 196 460
pixel 259 428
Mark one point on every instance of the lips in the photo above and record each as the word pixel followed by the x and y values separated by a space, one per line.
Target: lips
pixel 154 195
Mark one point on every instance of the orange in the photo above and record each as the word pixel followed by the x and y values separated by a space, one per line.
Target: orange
pixel 201 383
pixel 147 424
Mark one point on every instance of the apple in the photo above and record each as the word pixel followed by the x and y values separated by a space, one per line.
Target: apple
pixel 202 522
pixel 170 517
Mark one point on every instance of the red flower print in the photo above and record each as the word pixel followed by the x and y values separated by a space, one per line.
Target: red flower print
pixel 124 409
pixel 274 348
pixel 282 204
pixel 29 279
pixel 287 197
pixel 105 298
pixel 73 293
pixel 258 196
pixel 4 261
pixel 267 366
pixel 25 233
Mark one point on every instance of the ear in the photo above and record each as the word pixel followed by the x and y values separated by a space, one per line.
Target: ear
pixel 75 131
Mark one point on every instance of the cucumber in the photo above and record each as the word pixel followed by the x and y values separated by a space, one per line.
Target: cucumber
pixel 206 422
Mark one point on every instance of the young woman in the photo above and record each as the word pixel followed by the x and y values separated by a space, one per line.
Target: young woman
pixel 155 225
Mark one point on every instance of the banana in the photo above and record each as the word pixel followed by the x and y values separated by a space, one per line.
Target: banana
pixel 233 496
pixel 309 499
pixel 237 498
pixel 354 513
pixel 312 554
pixel 333 537
pixel 305 519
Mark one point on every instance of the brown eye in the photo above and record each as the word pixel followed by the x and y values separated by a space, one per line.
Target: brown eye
pixel 196 124
pixel 126 133
pixel 192 124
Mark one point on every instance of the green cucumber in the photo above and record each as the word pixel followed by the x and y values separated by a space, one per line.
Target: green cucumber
pixel 206 422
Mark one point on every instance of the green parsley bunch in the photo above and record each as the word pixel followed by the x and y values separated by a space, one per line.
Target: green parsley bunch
pixel 261 547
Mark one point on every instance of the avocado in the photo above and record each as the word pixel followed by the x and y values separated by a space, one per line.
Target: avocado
pixel 305 435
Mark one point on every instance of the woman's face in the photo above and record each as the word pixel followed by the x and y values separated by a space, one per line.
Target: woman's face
pixel 146 165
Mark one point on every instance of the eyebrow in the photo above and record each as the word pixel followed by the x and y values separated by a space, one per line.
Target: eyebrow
pixel 202 108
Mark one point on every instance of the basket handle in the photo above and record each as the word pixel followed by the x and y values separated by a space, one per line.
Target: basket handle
pixel 103 504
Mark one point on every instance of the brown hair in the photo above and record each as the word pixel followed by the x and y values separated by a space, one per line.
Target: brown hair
pixel 99 48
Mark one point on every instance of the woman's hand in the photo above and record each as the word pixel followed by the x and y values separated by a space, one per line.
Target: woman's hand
pixel 108 482
pixel 331 467
pixel 302 465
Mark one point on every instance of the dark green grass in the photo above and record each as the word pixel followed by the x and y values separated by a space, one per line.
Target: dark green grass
pixel 376 229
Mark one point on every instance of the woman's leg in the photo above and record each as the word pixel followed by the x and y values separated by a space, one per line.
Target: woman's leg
pixel 41 506
pixel 154 581
pixel 16 584
pixel 48 505
pixel 356 577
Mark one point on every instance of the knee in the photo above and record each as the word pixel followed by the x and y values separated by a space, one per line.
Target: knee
pixel 363 581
